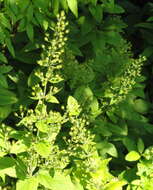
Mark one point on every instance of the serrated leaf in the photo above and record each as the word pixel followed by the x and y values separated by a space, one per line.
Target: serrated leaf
pixel 132 156
pixel 73 5
pixel 27 184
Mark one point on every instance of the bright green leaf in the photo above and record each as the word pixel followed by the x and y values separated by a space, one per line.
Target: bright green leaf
pixel 73 106
pixel 117 185
pixel 73 5
pixel 45 179
pixel 43 149
pixel 27 184
pixel 43 127
pixel 18 147
pixel 52 99
pixel 132 156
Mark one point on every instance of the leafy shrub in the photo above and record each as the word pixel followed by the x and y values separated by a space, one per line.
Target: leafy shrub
pixel 73 108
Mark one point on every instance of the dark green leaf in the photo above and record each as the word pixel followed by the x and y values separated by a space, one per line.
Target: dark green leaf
pixel 10 46
pixel 30 31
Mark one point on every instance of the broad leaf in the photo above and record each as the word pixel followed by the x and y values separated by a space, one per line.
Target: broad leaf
pixel 73 5
pixel 43 149
pixel 27 184
pixel 132 156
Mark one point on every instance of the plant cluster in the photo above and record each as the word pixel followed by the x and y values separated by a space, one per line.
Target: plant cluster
pixel 75 106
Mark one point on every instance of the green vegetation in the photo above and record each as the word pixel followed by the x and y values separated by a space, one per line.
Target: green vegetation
pixel 76 95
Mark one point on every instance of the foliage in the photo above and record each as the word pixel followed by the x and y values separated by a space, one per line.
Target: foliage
pixel 75 108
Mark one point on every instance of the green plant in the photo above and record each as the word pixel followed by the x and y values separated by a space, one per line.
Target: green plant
pixel 73 102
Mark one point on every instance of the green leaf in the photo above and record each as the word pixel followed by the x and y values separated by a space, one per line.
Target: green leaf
pixel 106 147
pixel 57 182
pixel 97 12
pixel 9 171
pixel 43 127
pixel 73 106
pixel 52 99
pixel 10 46
pixel 94 2
pixel 73 5
pixel 5 69
pixel 30 31
pixel 3 58
pixel 55 4
pixel 129 143
pixel 150 19
pixel 141 106
pixel 5 111
pixel 148 51
pixel 140 145
pixel 132 156
pixel 117 185
pixel 45 24
pixel 44 178
pixel 43 148
pixel 3 81
pixel 145 25
pixel 83 94
pixel 4 21
pixel 64 4
pixel 61 181
pixel 29 13
pixel 7 97
pixel 86 27
pixel 27 184
pixel 18 147
pixel 6 162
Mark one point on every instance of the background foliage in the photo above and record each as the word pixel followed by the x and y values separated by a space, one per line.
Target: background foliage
pixel 76 95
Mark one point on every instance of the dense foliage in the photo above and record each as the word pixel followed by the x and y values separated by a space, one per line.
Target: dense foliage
pixel 76 95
